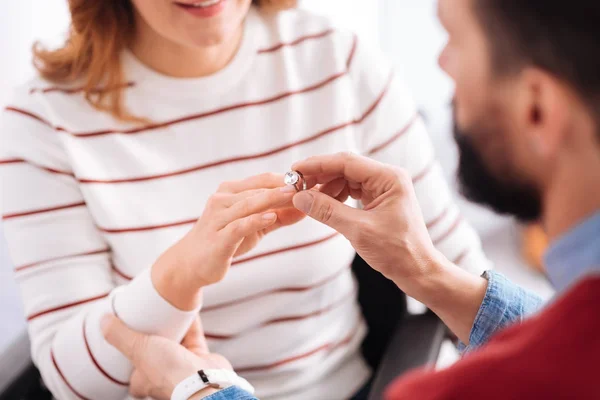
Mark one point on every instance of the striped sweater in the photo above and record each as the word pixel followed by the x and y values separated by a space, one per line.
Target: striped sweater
pixel 89 203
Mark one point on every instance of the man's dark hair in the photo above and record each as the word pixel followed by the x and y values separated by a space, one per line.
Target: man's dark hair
pixel 559 36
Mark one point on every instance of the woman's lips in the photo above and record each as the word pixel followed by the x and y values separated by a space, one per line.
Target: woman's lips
pixel 204 9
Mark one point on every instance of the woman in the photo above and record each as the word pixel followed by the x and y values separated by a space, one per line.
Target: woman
pixel 153 114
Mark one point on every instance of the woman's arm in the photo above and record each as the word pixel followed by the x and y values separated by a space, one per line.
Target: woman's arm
pixel 63 265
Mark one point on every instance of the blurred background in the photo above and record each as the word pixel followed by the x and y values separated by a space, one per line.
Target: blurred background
pixel 406 30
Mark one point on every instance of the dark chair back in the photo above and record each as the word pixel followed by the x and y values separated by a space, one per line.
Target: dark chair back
pixel 383 306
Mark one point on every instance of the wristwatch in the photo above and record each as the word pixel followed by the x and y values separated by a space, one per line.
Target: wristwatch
pixel 215 378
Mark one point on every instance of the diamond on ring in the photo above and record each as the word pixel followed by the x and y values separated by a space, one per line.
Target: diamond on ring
pixel 295 179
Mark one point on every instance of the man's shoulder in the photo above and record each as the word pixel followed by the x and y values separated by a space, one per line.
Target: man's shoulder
pixel 552 355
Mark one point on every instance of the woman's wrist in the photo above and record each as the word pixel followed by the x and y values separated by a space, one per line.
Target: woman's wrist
pixel 174 280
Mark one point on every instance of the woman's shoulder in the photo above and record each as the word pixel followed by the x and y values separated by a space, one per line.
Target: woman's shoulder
pixel 306 33
pixel 35 92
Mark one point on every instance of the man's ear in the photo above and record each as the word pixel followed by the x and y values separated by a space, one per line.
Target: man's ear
pixel 546 112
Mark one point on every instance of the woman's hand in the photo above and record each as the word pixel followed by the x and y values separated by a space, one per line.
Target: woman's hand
pixel 233 222
pixel 160 364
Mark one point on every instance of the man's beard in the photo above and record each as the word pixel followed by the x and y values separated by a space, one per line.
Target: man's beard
pixel 504 195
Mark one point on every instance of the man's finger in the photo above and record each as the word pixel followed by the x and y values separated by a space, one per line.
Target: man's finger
pixel 139 386
pixel 333 188
pixel 327 210
pixel 350 166
pixel 122 337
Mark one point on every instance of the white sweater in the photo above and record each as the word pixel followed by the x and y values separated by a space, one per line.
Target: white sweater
pixel 90 202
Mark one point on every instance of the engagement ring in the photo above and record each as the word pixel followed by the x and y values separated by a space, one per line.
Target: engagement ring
pixel 295 179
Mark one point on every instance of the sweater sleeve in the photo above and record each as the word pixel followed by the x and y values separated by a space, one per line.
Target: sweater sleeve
pixel 63 264
pixel 392 131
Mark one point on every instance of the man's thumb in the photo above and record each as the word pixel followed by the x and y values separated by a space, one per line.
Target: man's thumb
pixel 325 209
pixel 120 335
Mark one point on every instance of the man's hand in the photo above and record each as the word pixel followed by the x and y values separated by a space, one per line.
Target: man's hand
pixel 160 364
pixel 389 233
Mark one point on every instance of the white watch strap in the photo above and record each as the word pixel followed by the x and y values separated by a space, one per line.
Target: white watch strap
pixel 217 378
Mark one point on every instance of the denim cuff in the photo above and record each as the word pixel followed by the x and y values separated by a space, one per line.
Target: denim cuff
pixel 231 393
pixel 504 303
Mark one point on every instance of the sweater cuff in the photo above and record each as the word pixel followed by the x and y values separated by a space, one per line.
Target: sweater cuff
pixel 143 309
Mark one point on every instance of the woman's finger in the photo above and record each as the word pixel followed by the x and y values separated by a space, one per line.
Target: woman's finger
pixel 286 217
pixel 260 203
pixel 237 230
pixel 264 181
pixel 233 198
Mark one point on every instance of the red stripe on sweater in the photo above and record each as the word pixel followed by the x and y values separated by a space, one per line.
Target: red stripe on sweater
pixel 147 228
pixel 78 89
pixel 88 253
pixel 460 258
pixel 421 175
pixel 48 169
pixel 248 157
pixel 12 161
pixel 450 230
pixel 194 116
pixel 147 128
pixel 352 52
pixel 331 346
pixel 298 289
pixel 285 249
pixel 293 318
pixel 397 136
pixel 296 41
pixel 439 218
pixel 42 210
pixel 121 273
pixel 89 350
pixel 28 114
pixel 65 306
pixel 64 378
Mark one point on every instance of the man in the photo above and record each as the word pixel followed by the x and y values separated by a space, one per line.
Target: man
pixel 528 127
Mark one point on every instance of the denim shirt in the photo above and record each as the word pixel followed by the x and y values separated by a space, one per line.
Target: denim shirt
pixel 569 259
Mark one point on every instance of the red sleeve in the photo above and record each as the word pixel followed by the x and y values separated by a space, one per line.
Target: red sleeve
pixel 552 356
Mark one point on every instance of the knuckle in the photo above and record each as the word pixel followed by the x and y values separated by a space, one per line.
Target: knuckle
pixel 138 348
pixel 215 200
pixel 347 155
pixel 402 175
pixel 324 212
pixel 269 176
pixel 364 232
pixel 225 186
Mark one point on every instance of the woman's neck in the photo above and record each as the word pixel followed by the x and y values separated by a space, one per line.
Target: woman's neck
pixel 172 59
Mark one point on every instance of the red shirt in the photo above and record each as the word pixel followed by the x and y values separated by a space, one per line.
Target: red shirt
pixel 554 355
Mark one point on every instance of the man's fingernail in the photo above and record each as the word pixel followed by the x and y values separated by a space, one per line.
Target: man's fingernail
pixel 303 201
pixel 105 323
pixel 288 189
